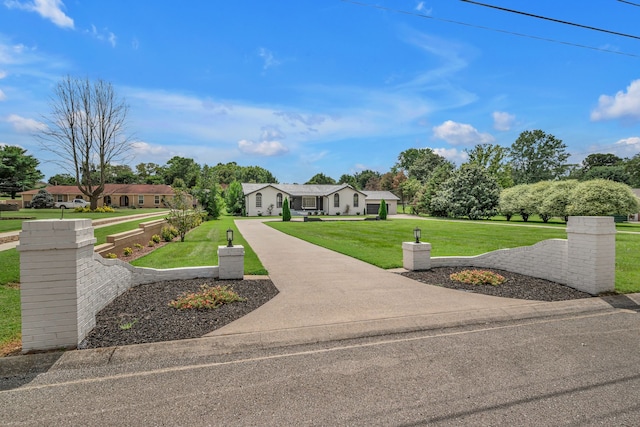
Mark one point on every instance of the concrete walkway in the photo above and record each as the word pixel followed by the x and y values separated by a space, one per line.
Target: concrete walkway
pixel 332 295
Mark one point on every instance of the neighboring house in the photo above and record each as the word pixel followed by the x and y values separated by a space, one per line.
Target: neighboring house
pixel 116 195
pixel 374 198
pixel 267 199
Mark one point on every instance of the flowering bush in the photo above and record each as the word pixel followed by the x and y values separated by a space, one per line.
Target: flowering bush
pixel 127 251
pixel 208 297
pixel 111 255
pixel 155 238
pixel 478 277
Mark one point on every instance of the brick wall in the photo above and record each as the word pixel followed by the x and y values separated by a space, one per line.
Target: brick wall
pixel 64 283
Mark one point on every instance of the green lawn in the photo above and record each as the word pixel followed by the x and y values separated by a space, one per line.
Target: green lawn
pixel 200 248
pixel 16 224
pixel 380 242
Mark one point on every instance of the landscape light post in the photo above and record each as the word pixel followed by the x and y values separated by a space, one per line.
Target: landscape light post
pixel 416 233
pixel 229 238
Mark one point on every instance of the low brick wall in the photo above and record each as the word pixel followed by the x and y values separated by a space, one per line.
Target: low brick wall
pixel 585 261
pixel 127 239
pixel 64 283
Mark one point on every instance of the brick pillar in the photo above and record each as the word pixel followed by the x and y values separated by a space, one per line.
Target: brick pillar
pixel 231 262
pixel 591 257
pixel 52 256
pixel 416 256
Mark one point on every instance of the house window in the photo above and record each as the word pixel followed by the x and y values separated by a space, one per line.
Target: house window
pixel 156 200
pixel 308 202
pixel 279 200
pixel 106 201
pixel 355 200
pixel 140 199
pixel 258 200
pixel 336 200
pixel 60 198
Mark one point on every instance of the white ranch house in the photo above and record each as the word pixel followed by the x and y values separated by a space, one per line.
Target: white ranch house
pixel 342 199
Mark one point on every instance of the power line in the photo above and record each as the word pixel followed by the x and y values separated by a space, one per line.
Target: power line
pixel 559 21
pixel 628 2
pixel 481 27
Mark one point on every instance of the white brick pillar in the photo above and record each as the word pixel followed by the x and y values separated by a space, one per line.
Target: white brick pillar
pixel 416 256
pixel 591 257
pixel 53 254
pixel 231 262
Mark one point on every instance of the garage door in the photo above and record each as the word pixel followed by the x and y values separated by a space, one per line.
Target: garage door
pixel 373 208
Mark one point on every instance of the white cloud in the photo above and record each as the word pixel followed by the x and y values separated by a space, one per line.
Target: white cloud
pixel 268 58
pixel 48 9
pixel 141 148
pixel 634 140
pixel 420 7
pixel 22 124
pixel 452 154
pixel 624 105
pixel 104 35
pixel 2 95
pixel 3 74
pixel 503 121
pixel 264 148
pixel 461 134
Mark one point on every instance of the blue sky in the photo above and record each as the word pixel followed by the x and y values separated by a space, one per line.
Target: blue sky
pixel 306 86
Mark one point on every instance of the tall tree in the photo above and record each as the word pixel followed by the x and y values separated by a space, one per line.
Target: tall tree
pixel 85 127
pixel 257 174
pixel 600 159
pixel 207 190
pixel 321 179
pixel 120 174
pixel 62 179
pixel 363 177
pixel 632 167
pixel 348 179
pixel 150 173
pixel 537 156
pixel 18 170
pixel 234 198
pixel 492 158
pixel 181 167
pixel 420 163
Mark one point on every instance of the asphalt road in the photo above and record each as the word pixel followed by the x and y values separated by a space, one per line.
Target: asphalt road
pixel 575 370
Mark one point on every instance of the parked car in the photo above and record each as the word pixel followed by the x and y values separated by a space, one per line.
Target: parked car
pixel 76 203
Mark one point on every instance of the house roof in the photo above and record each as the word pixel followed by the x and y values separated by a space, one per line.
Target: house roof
pixel 380 195
pixel 298 189
pixel 110 189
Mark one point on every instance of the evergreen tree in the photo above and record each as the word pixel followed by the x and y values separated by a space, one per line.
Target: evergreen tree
pixel 382 211
pixel 286 212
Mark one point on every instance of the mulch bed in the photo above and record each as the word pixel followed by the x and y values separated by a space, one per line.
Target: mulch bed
pixel 515 286
pixel 142 314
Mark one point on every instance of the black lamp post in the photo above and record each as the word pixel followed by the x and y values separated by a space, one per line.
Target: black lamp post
pixel 416 234
pixel 229 238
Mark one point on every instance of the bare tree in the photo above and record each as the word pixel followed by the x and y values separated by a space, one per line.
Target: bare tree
pixel 86 130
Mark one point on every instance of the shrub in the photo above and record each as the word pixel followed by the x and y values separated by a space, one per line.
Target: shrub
pixel 105 209
pixel 207 298
pixel 43 199
pixel 286 212
pixel 602 197
pixel 127 252
pixel 155 238
pixel 151 243
pixel 382 211
pixel 111 255
pixel 168 233
pixel 138 246
pixel 478 277
pixel 82 210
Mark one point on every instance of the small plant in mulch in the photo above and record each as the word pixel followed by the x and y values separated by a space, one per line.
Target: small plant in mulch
pixel 155 238
pixel 128 325
pixel 127 252
pixel 478 277
pixel 151 243
pixel 208 297
pixel 111 255
pixel 138 246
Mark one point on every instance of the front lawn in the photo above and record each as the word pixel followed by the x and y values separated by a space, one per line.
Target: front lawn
pixel 200 248
pixel 380 242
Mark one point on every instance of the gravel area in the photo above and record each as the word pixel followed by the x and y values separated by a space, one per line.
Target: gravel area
pixel 516 285
pixel 142 314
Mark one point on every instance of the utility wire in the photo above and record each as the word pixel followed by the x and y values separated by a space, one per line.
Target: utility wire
pixel 629 2
pixel 559 21
pixel 449 21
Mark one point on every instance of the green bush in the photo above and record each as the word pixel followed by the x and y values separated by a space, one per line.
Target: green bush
pixel 602 197
pixel 155 238
pixel 207 298
pixel 478 277
pixel 382 211
pixel 111 255
pixel 138 246
pixel 286 212
pixel 127 251
pixel 168 233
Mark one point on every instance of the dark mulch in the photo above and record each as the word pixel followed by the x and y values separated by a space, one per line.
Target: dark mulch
pixel 516 285
pixel 146 309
